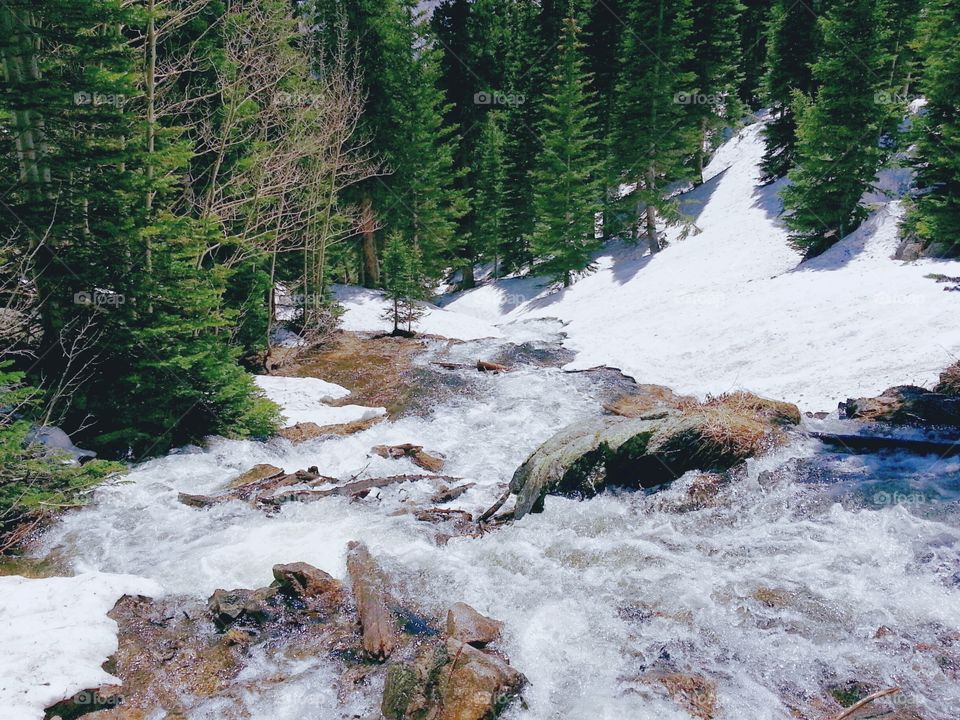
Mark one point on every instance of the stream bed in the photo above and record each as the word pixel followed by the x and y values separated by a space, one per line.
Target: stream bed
pixel 813 573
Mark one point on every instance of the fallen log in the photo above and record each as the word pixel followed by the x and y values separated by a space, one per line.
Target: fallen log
pixel 487 366
pixel 373 601
pixel 350 489
pixel 452 365
pixel 873 443
pixel 492 510
pixel 446 494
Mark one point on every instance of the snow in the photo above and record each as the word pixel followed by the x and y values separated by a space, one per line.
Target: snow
pixel 732 307
pixel 305 400
pixel 55 636
pixel 365 312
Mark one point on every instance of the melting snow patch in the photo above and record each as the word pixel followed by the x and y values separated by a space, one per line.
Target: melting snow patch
pixel 55 636
pixel 305 400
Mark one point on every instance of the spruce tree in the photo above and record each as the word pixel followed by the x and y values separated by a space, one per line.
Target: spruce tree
pixel 490 193
pixel 567 177
pixel 792 42
pixel 402 283
pixel 655 135
pixel 715 64
pixel 753 50
pixel 838 132
pixel 935 216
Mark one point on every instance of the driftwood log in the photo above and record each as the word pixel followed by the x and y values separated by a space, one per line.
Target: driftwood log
pixel 370 590
pixel 872 443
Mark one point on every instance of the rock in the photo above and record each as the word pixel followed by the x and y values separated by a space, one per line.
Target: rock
pixel 476 685
pixel 906 404
pixel 467 625
pixel 236 636
pixel 58 443
pixel 304 581
pixel 428 461
pixel 201 501
pixel 231 606
pixel 585 458
pixel 255 474
pixel 370 590
pixel 647 398
pixel 301 432
pixel 451 681
pixel 694 693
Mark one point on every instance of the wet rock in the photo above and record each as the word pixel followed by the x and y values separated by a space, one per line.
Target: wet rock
pixel 585 458
pixel 451 681
pixel 201 501
pixel 419 456
pixel 467 625
pixel 905 404
pixel 645 399
pixel 255 474
pixel 370 591
pixel 231 606
pixel 310 584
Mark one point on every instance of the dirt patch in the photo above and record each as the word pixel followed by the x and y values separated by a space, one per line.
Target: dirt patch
pixel 377 370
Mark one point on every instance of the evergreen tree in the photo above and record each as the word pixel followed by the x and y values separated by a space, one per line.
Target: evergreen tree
pixel 935 216
pixel 753 50
pixel 715 65
pixel 838 132
pixel 655 135
pixel 792 44
pixel 568 171
pixel 402 274
pixel 490 193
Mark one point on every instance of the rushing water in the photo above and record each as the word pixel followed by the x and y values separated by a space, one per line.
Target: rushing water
pixel 774 594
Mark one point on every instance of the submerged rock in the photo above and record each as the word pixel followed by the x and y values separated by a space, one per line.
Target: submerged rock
pixel 651 449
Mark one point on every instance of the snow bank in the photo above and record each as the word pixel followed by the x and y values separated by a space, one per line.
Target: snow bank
pixel 732 308
pixel 305 400
pixel 55 636
pixel 365 313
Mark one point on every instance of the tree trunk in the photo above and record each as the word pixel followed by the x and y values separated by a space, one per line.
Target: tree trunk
pixel 651 215
pixel 371 267
pixel 469 279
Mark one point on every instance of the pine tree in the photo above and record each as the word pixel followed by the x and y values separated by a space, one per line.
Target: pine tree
pixel 753 50
pixel 490 193
pixel 402 283
pixel 568 171
pixel 715 66
pixel 655 135
pixel 838 132
pixel 792 44
pixel 935 216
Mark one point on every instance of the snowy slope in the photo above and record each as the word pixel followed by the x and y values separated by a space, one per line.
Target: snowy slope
pixel 55 636
pixel 732 308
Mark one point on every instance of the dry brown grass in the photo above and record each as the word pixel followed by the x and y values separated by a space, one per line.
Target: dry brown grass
pixel 949 380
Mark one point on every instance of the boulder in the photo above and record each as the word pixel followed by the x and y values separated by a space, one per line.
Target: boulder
pixel 314 586
pixel 908 405
pixel 451 681
pixel 301 432
pixel 650 450
pixel 645 399
pixel 241 605
pixel 467 625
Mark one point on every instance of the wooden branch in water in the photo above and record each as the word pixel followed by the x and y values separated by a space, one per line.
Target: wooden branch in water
pixel 351 489
pixel 492 510
pixel 866 701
